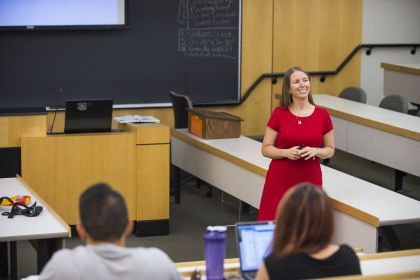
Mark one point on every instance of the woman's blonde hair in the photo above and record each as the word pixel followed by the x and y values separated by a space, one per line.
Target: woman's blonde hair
pixel 304 221
pixel 286 98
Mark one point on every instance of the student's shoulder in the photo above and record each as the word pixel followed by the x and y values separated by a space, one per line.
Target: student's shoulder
pixel 61 265
pixel 350 259
pixel 151 253
pixel 347 251
pixel 63 254
pixel 149 257
pixel 70 255
pixel 276 260
pixel 284 265
pixel 346 248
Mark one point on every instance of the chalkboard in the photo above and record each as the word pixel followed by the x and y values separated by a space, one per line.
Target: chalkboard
pixel 189 46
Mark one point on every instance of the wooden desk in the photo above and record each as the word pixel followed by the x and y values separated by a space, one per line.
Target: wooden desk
pixel 405 263
pixel 47 230
pixel 187 268
pixel 374 133
pixel 237 167
pixel 388 265
pixel 402 79
pixel 135 162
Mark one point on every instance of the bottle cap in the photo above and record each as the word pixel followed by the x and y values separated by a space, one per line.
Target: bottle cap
pixel 217 228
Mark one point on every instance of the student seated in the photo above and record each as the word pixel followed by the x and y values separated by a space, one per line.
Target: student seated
pixel 302 245
pixel 104 228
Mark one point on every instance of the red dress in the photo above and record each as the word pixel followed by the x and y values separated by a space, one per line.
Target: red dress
pixel 285 173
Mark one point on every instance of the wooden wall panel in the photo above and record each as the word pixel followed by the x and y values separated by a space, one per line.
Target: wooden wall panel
pixel 318 35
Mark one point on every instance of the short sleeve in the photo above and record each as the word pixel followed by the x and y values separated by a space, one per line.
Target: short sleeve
pixel 273 122
pixel 328 126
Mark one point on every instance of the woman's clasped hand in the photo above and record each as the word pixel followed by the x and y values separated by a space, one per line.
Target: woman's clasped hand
pixel 297 152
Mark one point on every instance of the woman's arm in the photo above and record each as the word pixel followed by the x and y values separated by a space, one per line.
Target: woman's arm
pixel 326 151
pixel 269 149
pixel 262 273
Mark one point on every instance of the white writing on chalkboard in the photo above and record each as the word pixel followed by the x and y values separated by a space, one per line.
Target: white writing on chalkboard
pixel 212 28
pixel 208 43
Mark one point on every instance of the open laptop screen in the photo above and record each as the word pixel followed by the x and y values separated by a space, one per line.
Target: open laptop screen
pixel 88 116
pixel 254 243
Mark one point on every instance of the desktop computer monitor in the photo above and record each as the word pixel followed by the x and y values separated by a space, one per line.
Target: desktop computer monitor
pixel 88 116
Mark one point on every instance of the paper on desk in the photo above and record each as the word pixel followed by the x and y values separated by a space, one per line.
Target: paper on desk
pixel 136 119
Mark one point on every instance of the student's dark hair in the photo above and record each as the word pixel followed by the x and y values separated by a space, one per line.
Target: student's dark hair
pixel 286 98
pixel 304 221
pixel 103 213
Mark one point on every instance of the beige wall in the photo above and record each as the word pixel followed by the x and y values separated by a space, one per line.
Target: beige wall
pixel 276 34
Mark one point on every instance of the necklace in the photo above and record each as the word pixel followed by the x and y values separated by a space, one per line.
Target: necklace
pixel 299 121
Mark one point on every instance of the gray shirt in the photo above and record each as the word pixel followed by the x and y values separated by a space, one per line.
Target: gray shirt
pixel 108 261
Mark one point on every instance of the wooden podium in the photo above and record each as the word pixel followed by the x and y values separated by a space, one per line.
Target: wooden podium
pixel 213 125
pixel 134 161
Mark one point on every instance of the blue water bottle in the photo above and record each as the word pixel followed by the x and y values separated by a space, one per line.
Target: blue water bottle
pixel 214 251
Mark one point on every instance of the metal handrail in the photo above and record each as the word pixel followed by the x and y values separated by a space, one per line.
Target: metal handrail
pixel 323 74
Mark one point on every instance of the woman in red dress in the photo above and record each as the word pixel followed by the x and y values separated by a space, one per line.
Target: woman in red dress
pixel 298 135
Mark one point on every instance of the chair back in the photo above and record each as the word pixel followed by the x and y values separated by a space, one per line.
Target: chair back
pixel 180 104
pixel 394 102
pixel 354 93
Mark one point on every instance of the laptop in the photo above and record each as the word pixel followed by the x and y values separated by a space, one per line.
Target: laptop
pixel 254 240
pixel 94 115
